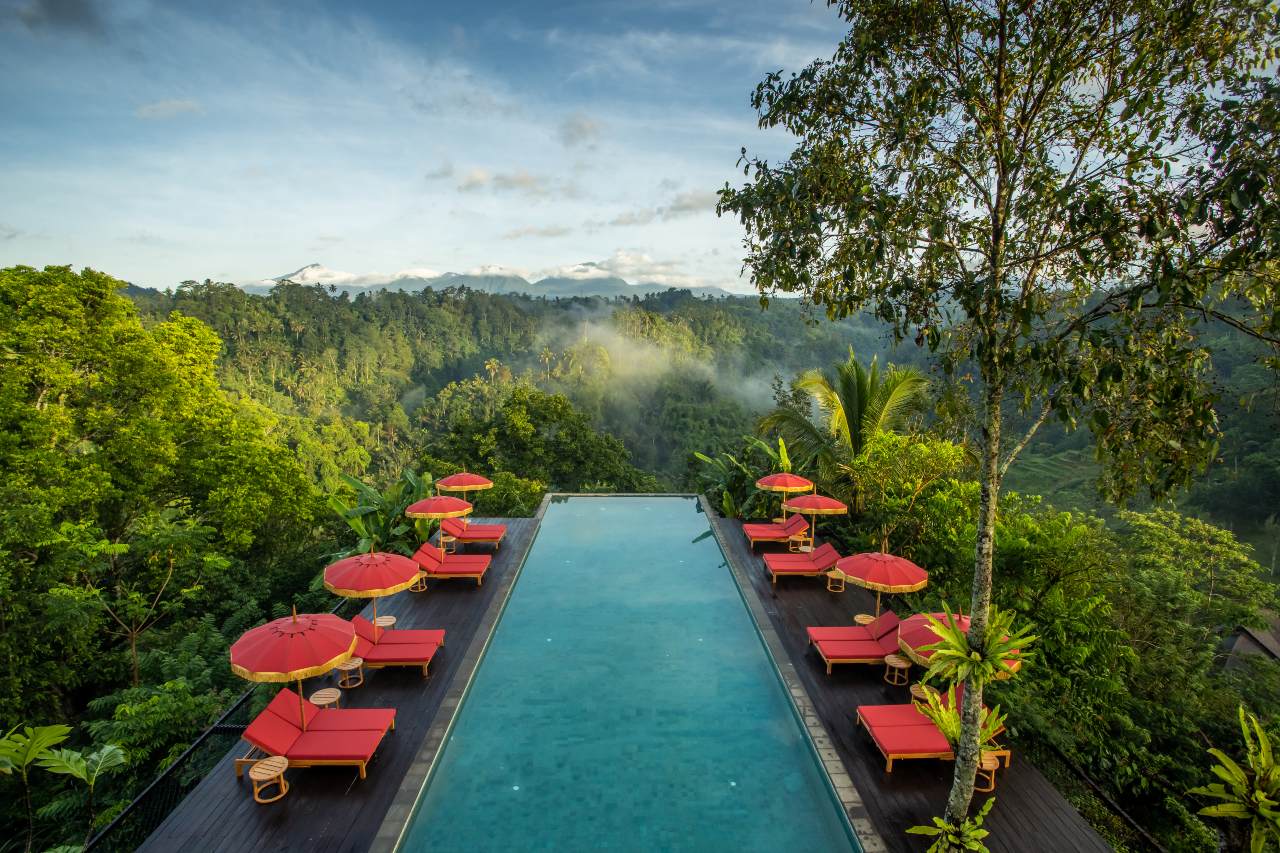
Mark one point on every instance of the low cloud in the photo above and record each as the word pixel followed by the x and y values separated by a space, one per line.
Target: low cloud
pixel 537 231
pixel 168 109
pixel 444 170
pixel 8 232
pixel 519 181
pixel 579 129
pixel 681 205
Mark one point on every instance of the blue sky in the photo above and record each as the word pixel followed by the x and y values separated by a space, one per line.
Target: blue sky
pixel 236 141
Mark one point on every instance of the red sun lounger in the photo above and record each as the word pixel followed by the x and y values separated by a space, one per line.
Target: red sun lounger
pixel 817 562
pixel 902 732
pixel 328 743
pixel 793 528
pixel 377 652
pixel 435 563
pixel 885 623
pixel 462 532
pixel 286 705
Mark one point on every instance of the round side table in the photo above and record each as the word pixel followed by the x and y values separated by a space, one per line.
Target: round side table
pixel 897 670
pixel 863 619
pixel 327 696
pixel 352 673
pixel 385 621
pixel 267 772
pixel 919 692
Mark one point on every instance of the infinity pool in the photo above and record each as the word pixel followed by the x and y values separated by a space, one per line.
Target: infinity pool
pixel 626 702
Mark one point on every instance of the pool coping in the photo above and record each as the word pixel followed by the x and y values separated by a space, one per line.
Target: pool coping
pixel 815 729
pixel 396 821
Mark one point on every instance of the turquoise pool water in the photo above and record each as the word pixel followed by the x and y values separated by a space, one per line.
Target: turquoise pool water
pixel 626 702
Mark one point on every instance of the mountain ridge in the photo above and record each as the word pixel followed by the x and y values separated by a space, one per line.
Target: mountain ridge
pixel 490 279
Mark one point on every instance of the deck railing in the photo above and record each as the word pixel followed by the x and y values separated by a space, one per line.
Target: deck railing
pixel 149 809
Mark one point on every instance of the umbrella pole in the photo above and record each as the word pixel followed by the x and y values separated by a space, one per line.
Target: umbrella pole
pixel 302 711
pixel 877 602
pixel 375 610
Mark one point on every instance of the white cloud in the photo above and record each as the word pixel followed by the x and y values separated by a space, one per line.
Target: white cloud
pixel 537 231
pixel 168 109
pixel 634 266
pixel 518 181
pixel 683 204
pixel 579 129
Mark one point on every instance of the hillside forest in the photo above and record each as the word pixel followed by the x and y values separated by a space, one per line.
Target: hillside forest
pixel 170 459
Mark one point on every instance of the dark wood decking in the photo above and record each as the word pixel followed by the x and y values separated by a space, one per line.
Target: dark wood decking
pixel 1029 815
pixel 329 808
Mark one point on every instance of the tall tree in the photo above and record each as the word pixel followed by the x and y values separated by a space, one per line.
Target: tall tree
pixel 1015 184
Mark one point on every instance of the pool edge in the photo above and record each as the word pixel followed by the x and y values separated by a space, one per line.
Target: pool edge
pixel 395 822
pixel 816 733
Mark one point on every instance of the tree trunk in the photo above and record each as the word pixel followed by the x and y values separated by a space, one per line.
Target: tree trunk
pixel 133 653
pixel 969 749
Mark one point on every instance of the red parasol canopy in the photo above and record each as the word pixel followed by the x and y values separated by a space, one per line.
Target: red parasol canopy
pixel 293 648
pixel 786 483
pixel 441 506
pixel 463 482
pixel 883 573
pixel 371 576
pixel 914 633
pixel 815 505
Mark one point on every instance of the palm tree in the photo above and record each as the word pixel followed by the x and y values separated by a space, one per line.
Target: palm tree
pixel 854 403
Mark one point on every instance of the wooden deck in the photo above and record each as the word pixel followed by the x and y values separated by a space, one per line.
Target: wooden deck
pixel 1029 813
pixel 329 808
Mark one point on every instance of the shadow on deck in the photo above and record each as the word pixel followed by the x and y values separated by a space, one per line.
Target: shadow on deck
pixel 1029 815
pixel 329 808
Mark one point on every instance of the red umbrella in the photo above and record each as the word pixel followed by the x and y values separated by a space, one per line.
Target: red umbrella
pixel 915 632
pixel 463 482
pixel 441 506
pixel 293 648
pixel 883 573
pixel 814 505
pixel 371 576
pixel 786 483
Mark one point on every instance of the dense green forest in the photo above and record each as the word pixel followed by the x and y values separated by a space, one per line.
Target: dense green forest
pixel 170 456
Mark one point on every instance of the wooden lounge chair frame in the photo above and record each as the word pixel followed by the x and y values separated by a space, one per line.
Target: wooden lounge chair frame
pixel 425 572
pixel 447 539
pixel 795 541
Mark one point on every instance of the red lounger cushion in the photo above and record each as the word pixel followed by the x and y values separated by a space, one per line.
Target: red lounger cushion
pixel 910 740
pixel 797 569
pixel 874 716
pixel 400 636
pixel 452 568
pixel 335 746
pixel 400 653
pixel 352 720
pixel 272 734
pixel 851 650
pixel 485 531
pixel 884 625
pixel 285 706
pixel 824 553
pixel 839 632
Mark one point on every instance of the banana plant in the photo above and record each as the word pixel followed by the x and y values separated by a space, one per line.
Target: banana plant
pixel 1251 794
pixel 966 835
pixel 726 476
pixel 378 518
pixel 20 751
pixel 86 768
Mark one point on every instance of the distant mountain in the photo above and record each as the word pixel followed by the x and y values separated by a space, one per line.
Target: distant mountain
pixel 488 279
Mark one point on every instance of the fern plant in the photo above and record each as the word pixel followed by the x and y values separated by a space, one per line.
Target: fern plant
pixel 955 659
pixel 946 716
pixel 966 835
pixel 1251 794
